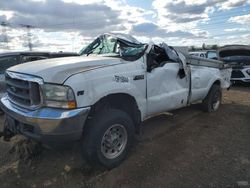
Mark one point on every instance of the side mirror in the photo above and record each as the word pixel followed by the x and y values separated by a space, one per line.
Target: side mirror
pixel 181 73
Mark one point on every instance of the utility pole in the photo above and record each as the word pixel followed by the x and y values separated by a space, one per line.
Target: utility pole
pixel 4 40
pixel 28 35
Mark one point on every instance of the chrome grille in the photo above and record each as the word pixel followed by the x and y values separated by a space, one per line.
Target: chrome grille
pixel 23 92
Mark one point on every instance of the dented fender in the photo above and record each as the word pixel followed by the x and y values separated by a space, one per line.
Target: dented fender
pixel 127 78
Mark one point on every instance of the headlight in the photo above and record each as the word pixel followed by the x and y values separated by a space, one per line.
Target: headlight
pixel 58 96
pixel 248 71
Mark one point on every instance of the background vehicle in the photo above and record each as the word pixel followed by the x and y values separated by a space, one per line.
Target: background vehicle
pixel 102 97
pixel 238 57
pixel 14 58
pixel 210 54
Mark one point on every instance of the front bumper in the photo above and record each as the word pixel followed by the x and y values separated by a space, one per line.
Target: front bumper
pixel 47 125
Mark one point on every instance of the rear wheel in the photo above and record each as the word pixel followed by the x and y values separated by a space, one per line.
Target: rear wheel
pixel 213 100
pixel 108 138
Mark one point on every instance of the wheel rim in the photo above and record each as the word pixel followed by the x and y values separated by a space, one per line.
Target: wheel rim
pixel 114 141
pixel 216 101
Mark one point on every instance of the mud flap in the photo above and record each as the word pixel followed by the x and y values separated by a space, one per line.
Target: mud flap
pixel 9 129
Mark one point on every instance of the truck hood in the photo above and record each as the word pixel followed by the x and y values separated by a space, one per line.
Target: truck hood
pixel 235 55
pixel 59 69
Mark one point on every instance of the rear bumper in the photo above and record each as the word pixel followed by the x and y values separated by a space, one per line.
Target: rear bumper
pixel 46 125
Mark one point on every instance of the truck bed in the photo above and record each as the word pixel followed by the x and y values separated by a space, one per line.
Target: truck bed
pixel 198 61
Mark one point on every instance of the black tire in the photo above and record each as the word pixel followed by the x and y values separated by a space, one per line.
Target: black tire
pixel 94 149
pixel 213 100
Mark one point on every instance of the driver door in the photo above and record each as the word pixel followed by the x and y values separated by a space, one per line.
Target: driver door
pixel 166 90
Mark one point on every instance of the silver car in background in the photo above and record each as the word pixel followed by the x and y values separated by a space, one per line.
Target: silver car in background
pixel 210 54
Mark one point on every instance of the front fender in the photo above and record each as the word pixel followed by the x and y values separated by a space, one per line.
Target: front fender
pixel 96 84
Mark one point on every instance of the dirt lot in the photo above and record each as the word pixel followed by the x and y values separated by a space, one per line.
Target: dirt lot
pixel 187 148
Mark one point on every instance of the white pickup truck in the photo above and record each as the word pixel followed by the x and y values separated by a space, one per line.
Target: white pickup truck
pixel 101 97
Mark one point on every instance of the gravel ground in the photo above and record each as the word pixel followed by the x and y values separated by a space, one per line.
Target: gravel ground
pixel 184 148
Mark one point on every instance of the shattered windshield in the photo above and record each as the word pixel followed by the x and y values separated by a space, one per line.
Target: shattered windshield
pixel 107 45
pixel 102 45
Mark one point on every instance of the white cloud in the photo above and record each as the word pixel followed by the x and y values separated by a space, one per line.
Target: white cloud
pixel 233 3
pixel 235 29
pixel 244 19
pixel 83 19
pixel 239 39
pixel 71 24
pixel 7 14
pixel 152 30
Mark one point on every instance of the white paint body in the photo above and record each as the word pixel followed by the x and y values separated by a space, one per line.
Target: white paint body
pixel 160 90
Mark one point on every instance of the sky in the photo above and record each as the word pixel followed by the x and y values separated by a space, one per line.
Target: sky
pixel 69 25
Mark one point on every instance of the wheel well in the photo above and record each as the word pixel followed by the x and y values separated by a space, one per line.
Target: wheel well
pixel 120 101
pixel 217 82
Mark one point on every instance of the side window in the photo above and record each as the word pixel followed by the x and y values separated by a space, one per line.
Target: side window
pixel 108 45
pixel 212 55
pixel 7 62
pixel 32 58
pixel 157 57
pixel 97 47
pixel 105 46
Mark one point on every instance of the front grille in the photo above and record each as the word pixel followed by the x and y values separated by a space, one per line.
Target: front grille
pixel 237 74
pixel 22 92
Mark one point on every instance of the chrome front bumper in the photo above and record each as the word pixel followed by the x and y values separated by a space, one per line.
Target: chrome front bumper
pixel 47 125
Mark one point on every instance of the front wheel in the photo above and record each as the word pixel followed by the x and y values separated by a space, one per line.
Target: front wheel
pixel 213 100
pixel 108 138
